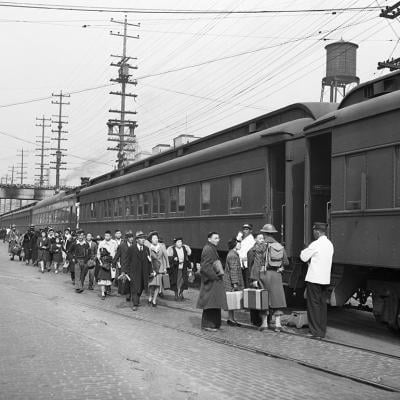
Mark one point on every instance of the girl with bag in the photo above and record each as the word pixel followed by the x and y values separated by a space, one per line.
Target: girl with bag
pixel 179 265
pixel 56 251
pixel 233 278
pixel 159 265
pixel 43 245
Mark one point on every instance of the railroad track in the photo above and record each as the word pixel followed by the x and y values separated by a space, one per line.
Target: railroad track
pixel 229 343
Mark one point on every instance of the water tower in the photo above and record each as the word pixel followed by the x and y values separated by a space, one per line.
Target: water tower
pixel 341 62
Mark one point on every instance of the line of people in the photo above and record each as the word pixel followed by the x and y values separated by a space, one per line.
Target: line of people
pixel 143 263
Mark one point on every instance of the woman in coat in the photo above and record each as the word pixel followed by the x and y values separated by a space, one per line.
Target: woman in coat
pixel 43 245
pixel 269 277
pixel 212 297
pixel 159 266
pixel 179 264
pixel 57 254
pixel 233 278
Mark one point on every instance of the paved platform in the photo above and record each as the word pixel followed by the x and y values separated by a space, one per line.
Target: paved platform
pixel 58 344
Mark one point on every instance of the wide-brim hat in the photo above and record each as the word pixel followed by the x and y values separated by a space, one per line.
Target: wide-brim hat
pixel 140 235
pixel 268 228
pixel 247 226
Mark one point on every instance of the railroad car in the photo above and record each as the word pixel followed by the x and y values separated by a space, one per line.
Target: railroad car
pixel 21 217
pixel 353 182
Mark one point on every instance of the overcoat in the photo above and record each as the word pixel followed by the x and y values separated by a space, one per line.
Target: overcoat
pixel 212 291
pixel 122 253
pixel 233 272
pixel 138 268
pixel 174 268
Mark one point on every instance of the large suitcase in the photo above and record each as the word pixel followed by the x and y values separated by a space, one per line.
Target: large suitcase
pixel 234 300
pixel 255 299
pixel 124 285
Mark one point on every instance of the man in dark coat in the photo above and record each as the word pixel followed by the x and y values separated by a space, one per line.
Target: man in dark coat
pixel 212 297
pixel 138 268
pixel 121 255
pixel 28 242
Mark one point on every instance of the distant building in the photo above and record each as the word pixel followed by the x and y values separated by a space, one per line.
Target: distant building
pixel 142 155
pixel 160 148
pixel 184 139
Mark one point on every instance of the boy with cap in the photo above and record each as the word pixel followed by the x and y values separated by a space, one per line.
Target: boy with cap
pixel 319 257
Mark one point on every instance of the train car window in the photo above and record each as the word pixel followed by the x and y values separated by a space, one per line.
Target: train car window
pixel 397 177
pixel 205 196
pixel 236 192
pixel 173 199
pixel 120 206
pixel 163 201
pixel 110 208
pixel 380 178
pixel 92 210
pixel 115 204
pixel 355 167
pixel 146 203
pixel 155 204
pixel 140 205
pixel 181 198
pixel 127 206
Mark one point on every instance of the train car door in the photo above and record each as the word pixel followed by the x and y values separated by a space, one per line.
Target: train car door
pixel 275 188
pixel 317 183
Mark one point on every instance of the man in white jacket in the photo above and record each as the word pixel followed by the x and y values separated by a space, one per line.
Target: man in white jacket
pixel 247 239
pixel 319 257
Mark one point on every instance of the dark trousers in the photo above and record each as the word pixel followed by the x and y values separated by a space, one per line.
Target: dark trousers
pixel 317 296
pixel 135 296
pixel 246 277
pixel 80 266
pixel 87 270
pixel 211 318
pixel 71 268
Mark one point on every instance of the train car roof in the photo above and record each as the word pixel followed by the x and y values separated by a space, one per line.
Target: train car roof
pixel 365 109
pixel 55 199
pixel 373 88
pixel 269 136
pixel 313 110
pixel 19 210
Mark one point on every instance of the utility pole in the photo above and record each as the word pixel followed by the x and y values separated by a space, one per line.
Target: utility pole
pixel 124 132
pixel 43 142
pixel 12 183
pixel 60 122
pixel 390 12
pixel 21 171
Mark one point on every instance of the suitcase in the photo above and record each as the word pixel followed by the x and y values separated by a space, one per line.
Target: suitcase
pixel 255 299
pixel 165 281
pixel 234 300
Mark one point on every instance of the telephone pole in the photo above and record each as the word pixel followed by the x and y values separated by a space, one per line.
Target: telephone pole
pixel 122 130
pixel 60 123
pixel 21 173
pixel 11 169
pixel 43 141
pixel 390 12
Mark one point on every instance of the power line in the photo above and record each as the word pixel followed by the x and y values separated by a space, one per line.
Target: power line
pixel 44 6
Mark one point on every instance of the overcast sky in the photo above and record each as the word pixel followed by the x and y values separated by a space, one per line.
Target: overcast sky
pixel 47 51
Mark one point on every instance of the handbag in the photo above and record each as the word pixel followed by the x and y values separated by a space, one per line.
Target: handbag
pixel 106 266
pixel 191 276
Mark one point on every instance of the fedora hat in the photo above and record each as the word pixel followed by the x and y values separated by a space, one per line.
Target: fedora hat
pixel 140 234
pixel 268 228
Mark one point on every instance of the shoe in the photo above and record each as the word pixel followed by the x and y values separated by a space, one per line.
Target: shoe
pixel 176 297
pixel 134 308
pixel 161 295
pixel 90 288
pixel 128 299
pixel 73 282
pixel 311 336
pixel 149 302
pixel 56 271
pixel 103 297
pixel 154 304
pixel 211 329
pixel 278 329
pixel 231 323
pixel 262 328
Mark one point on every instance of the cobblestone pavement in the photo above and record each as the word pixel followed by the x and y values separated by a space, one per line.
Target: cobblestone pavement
pixel 62 345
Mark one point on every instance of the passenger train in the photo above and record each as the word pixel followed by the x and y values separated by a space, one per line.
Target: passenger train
pixel 307 162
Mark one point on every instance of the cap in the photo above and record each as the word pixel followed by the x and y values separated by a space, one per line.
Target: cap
pixel 320 226
pixel 247 226
pixel 178 238
pixel 268 228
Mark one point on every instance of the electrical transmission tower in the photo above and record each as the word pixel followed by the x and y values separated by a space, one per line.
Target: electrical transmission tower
pixel 59 131
pixel 390 12
pixel 43 141
pixel 10 202
pixel 21 170
pixel 122 130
